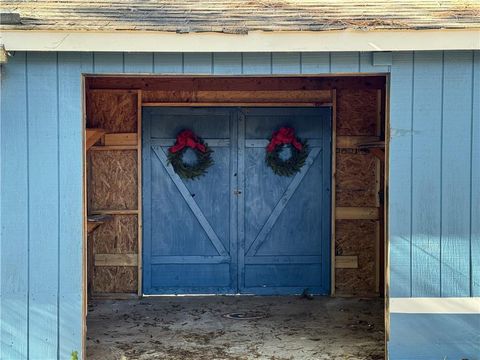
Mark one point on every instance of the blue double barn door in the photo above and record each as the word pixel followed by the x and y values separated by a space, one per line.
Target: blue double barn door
pixel 240 228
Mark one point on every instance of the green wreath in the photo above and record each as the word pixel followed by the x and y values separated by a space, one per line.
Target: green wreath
pixel 299 149
pixel 187 139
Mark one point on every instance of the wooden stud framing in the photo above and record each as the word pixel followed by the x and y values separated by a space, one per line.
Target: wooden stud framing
pixel 121 139
pixel 378 187
pixel 237 96
pixel 333 187
pixel 92 136
pixel 377 256
pixel 239 104
pixel 386 247
pixel 139 192
pixel 351 142
pixel 378 167
pixel 113 147
pixel 234 82
pixel 84 227
pixel 114 212
pixel 346 262
pixel 356 213
pixel 116 260
pixel 114 296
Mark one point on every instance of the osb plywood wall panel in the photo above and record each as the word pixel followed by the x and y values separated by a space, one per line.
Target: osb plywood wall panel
pixel 356 178
pixel 356 186
pixel 115 279
pixel 114 180
pixel 356 237
pixel 113 185
pixel 117 236
pixel 357 112
pixel 113 111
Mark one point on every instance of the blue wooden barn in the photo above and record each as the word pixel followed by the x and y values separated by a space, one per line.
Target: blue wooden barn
pixel 228 147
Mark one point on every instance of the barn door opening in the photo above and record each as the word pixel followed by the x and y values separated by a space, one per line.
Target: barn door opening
pixel 240 228
pixel 256 237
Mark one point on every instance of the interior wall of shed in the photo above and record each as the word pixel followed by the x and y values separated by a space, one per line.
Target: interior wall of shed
pixel 113 106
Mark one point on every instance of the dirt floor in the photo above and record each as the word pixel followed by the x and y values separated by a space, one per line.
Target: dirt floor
pixel 199 328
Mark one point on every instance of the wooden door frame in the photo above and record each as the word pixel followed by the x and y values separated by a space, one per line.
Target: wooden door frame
pixel 239 103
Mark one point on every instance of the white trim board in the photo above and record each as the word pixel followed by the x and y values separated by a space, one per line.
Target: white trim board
pixel 256 41
pixel 470 305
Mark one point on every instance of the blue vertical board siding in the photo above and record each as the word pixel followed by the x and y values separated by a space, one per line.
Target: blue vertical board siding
pixel 198 63
pixel 400 177
pixel 168 63
pixel 14 208
pixel 227 63
pixel 315 63
pixel 475 178
pixel 426 169
pixel 43 203
pixel 456 178
pixel 286 63
pixel 41 128
pixel 108 63
pixel 366 64
pixel 138 63
pixel 70 135
pixel 345 62
pixel 257 63
pixel 432 226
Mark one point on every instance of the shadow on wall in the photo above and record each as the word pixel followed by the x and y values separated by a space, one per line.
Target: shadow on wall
pixel 434 336
pixel 419 269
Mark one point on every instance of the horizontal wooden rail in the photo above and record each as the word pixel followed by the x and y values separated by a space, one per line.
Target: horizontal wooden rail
pixel 237 96
pixel 356 213
pixel 239 104
pixel 116 259
pixel 113 147
pixel 114 296
pixel 120 139
pixel 353 142
pixel 113 212
pixel 346 262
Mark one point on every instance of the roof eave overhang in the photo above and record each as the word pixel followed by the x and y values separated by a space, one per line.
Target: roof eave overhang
pixel 255 41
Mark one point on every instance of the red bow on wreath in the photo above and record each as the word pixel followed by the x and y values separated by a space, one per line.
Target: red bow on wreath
pixel 186 138
pixel 284 136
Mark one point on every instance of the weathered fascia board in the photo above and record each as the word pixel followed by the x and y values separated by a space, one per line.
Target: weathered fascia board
pixel 255 41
